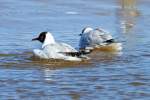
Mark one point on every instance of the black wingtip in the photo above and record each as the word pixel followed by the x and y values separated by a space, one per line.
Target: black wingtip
pixel 77 54
pixel 110 41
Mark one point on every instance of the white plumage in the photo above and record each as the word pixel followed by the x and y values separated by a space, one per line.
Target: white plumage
pixel 53 50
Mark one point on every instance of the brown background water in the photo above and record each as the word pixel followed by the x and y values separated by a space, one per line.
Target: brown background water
pixel 107 76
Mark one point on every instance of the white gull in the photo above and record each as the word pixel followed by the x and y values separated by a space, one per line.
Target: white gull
pixel 98 39
pixel 53 50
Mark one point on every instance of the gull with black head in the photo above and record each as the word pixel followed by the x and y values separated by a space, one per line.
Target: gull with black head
pixel 54 50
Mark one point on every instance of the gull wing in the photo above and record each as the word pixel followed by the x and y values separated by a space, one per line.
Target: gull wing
pixel 40 54
pixel 67 47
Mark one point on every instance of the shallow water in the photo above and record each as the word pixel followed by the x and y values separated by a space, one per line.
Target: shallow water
pixel 106 76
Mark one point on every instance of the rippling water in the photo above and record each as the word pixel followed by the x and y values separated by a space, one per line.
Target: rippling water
pixel 107 76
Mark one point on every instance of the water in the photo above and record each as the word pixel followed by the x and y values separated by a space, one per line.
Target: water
pixel 107 76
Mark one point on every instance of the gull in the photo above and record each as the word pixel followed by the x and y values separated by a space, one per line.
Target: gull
pixel 54 50
pixel 98 39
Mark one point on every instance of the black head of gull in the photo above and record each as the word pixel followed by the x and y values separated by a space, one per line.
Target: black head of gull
pixel 41 37
pixel 45 38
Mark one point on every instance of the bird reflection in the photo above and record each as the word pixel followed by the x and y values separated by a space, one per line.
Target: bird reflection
pixel 48 74
pixel 127 14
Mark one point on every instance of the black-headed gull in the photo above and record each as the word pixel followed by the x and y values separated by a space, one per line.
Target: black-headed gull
pixel 98 39
pixel 53 50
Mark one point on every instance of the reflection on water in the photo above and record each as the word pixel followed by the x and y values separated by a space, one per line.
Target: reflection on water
pixel 128 5
pixel 128 14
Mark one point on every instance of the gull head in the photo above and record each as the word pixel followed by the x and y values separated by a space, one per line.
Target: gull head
pixel 86 30
pixel 43 36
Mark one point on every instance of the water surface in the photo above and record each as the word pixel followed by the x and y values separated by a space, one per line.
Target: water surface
pixel 107 76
